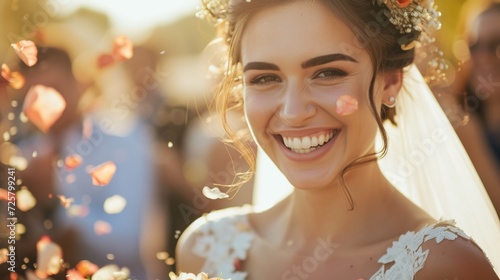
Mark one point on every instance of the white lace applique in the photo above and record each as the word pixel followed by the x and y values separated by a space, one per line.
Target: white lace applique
pixel 224 243
pixel 406 256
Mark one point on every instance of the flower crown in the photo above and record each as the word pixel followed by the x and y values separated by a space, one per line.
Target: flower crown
pixel 408 16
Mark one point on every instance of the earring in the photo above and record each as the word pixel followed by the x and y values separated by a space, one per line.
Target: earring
pixel 392 103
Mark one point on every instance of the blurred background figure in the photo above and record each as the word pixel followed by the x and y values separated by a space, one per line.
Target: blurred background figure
pixel 478 49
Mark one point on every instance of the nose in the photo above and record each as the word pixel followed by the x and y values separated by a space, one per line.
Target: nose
pixel 297 106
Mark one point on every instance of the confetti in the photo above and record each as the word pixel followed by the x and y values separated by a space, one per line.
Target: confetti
pixel 86 268
pixel 27 52
pixel 114 204
pixel 214 193
pixel 43 106
pixel 72 274
pixel 49 257
pixel 102 228
pixel 346 105
pixel 102 174
pixel 123 48
pixel 14 80
pixel 72 161
pixel 65 202
pixel 25 199
pixel 4 195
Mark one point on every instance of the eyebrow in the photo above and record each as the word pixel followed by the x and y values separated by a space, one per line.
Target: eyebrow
pixel 307 64
pixel 260 66
pixel 326 59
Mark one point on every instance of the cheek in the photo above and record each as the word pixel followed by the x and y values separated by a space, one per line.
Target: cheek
pixel 258 112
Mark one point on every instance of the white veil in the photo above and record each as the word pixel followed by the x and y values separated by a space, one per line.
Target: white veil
pixel 427 162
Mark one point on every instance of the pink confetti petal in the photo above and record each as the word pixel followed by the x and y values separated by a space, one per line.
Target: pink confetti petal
pixel 86 268
pixel 72 274
pixel 27 52
pixel 102 228
pixel 123 48
pixel 13 79
pixel 102 174
pixel 72 161
pixel 65 202
pixel 43 106
pixel 49 257
pixel 346 105
pixel 4 195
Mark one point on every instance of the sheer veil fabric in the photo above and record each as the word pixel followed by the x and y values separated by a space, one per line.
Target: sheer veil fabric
pixel 427 162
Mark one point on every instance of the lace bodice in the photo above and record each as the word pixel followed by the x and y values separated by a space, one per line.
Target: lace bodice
pixel 223 241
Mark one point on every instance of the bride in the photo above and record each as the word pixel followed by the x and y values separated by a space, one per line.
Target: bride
pixel 317 79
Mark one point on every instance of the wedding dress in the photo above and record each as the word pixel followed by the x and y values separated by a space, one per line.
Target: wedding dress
pixel 224 237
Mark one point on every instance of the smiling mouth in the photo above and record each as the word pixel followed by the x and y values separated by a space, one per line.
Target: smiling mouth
pixel 307 144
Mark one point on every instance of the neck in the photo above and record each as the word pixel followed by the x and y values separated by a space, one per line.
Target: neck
pixel 328 213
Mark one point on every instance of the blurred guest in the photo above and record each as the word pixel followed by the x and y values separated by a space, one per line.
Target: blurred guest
pixel 481 136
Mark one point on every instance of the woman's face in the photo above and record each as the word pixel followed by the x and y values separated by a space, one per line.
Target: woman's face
pixel 303 75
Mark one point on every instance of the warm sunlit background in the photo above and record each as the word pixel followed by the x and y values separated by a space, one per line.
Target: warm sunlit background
pixel 145 115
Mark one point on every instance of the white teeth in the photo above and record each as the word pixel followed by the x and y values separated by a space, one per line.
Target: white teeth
pixel 308 144
pixel 314 141
pixel 321 139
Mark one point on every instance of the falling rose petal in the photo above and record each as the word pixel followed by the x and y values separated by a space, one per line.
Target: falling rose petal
pixel 4 195
pixel 65 202
pixel 86 268
pixel 13 79
pixel 114 204
pixel 27 52
pixel 105 60
pixel 43 106
pixel 102 228
pixel 102 174
pixel 123 48
pixel 214 193
pixel 49 257
pixel 72 274
pixel 25 200
pixel 346 105
pixel 72 161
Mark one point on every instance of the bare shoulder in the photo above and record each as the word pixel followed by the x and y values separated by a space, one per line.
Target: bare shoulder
pixel 186 259
pixel 195 243
pixel 455 257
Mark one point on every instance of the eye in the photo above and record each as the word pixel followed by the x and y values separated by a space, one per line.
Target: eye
pixel 329 74
pixel 265 79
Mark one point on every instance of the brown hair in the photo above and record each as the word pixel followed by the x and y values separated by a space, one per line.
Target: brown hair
pixel 375 33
